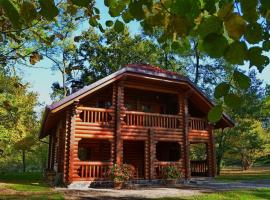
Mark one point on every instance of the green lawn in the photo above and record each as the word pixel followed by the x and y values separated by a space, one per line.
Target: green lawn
pixel 26 186
pixel 236 174
pixel 31 186
pixel 257 194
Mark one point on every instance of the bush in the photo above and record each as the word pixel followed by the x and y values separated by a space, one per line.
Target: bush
pixel 171 172
pixel 121 173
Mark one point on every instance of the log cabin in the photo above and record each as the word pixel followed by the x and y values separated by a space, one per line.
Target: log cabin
pixel 140 115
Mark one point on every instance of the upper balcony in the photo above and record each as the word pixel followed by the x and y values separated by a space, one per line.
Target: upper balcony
pixel 103 117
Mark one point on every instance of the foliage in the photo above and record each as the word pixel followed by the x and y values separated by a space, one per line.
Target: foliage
pixel 249 139
pixel 236 27
pixel 121 173
pixel 19 123
pixel 98 55
pixel 171 172
pixel 197 151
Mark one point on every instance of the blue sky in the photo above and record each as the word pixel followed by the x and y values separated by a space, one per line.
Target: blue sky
pixel 41 77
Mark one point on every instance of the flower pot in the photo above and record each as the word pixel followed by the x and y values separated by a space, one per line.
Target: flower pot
pixel 171 181
pixel 118 185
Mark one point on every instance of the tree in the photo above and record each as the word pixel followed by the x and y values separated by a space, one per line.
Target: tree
pixel 98 55
pixel 247 140
pixel 19 122
pixel 237 27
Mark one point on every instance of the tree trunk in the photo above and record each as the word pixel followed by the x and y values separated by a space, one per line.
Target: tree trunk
pixel 197 64
pixel 23 160
pixel 219 159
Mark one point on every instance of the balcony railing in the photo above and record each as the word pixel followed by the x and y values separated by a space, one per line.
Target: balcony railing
pixel 197 124
pixel 103 116
pixel 95 115
pixel 93 170
pixel 134 118
pixel 198 167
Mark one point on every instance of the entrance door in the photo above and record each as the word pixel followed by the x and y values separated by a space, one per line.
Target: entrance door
pixel 133 154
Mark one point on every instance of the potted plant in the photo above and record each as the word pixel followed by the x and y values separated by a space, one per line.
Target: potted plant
pixel 120 174
pixel 171 174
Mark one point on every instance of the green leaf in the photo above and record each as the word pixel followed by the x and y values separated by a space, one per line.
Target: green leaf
pixel 48 9
pixel 93 22
pixel 176 45
pixel 215 114
pixel 210 6
pixel 235 26
pixel 241 79
pixel 127 17
pixel 97 11
pixel 116 9
pixel 248 8
pixel 119 26
pixel 189 9
pixel 232 100
pixel 108 2
pixel 109 23
pixel 81 3
pixel 266 45
pixel 257 59
pixel 136 10
pixel 221 90
pixel 28 11
pixel 254 33
pixel 11 12
pixel 101 28
pixel 225 11
pixel 210 25
pixel 236 53
pixel 215 45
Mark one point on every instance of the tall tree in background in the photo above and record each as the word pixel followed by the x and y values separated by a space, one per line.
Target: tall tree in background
pixel 18 125
pixel 248 139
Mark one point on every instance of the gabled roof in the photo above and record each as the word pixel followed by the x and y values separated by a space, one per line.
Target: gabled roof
pixel 140 69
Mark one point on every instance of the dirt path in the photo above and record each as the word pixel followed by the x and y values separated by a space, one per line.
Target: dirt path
pixel 159 192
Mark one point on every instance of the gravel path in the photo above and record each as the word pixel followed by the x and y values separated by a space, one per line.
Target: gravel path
pixel 191 189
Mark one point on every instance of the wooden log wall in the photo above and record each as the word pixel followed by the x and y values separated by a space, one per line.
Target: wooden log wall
pixel 116 130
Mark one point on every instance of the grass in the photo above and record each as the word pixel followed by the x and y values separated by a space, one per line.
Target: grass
pixel 30 186
pixel 236 174
pixel 256 194
pixel 26 186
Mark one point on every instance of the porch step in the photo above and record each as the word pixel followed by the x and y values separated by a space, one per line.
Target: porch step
pixel 201 180
pixel 85 185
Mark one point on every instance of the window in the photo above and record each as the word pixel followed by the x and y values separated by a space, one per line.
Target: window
pixel 104 104
pixel 94 150
pixel 84 153
pixel 168 151
pixel 146 108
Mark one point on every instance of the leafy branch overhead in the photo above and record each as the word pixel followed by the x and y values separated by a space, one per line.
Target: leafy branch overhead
pixel 235 30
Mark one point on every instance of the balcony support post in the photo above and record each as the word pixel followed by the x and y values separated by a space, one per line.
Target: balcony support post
pixel 183 112
pixel 119 113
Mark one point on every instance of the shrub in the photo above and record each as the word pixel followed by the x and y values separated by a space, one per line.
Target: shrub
pixel 121 173
pixel 171 172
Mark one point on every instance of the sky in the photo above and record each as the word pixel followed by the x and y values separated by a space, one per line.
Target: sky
pixel 41 77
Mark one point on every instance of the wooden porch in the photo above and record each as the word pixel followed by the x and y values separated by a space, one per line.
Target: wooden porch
pixel 91 118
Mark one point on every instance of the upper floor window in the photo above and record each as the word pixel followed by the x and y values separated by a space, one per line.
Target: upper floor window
pixel 104 104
